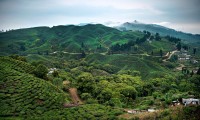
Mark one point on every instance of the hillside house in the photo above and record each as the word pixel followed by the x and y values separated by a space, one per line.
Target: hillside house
pixel 134 111
pixel 194 61
pixel 151 110
pixel 190 101
pixel 183 56
pixel 51 70
pixel 175 103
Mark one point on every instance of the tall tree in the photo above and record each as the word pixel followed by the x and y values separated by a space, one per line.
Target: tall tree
pixel 157 37
pixel 151 52
pixel 178 46
pixel 194 51
pixel 161 52
pixel 82 45
pixel 198 72
pixel 83 55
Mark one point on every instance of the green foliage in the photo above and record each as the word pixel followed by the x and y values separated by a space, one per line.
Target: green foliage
pixel 106 95
pixel 173 39
pixel 157 37
pixel 90 111
pixel 156 95
pixel 174 58
pixel 22 94
pixel 41 71
pixel 85 82
pixel 58 82
pixel 86 96
pixel 17 57
pixel 196 81
pixel 129 92
pixel 165 113
pixel 191 112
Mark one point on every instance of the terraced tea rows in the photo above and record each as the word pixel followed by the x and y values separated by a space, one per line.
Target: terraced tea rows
pixel 23 94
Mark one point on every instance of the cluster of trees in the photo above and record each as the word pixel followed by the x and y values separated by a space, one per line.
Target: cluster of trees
pixel 122 89
pixel 173 39
pixel 122 47
pixel 179 46
pixel 17 57
pixel 127 46
pixel 157 37
pixel 115 89
pixel 106 90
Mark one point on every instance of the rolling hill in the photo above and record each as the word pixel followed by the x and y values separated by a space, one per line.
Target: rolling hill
pixel 96 41
pixel 163 31
pixel 67 38
pixel 23 94
pixel 74 39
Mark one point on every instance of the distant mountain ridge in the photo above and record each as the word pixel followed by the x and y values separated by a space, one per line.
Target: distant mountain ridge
pixel 163 31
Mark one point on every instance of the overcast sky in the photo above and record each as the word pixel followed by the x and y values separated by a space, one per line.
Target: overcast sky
pixel 182 15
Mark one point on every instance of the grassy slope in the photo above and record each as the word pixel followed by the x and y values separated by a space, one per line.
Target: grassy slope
pixel 23 94
pixel 143 64
pixel 58 38
pixel 69 38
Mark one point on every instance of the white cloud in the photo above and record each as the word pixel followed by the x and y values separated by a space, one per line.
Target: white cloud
pixel 24 13
pixel 163 23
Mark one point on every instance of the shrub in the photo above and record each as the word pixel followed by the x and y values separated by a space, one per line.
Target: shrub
pixel 86 96
pixel 165 113
pixel 41 71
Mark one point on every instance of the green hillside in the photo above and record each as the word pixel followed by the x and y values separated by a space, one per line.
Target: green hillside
pixel 95 72
pixel 164 31
pixel 23 94
pixel 71 41
pixel 147 66
pixel 62 38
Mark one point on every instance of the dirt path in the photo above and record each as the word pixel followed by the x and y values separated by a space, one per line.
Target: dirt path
pixel 180 67
pixel 169 55
pixel 65 52
pixel 172 54
pixel 74 96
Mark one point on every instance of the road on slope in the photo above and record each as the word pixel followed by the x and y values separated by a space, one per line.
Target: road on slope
pixel 169 55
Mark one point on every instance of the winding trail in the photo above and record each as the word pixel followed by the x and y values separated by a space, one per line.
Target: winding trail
pixel 172 53
pixel 169 55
